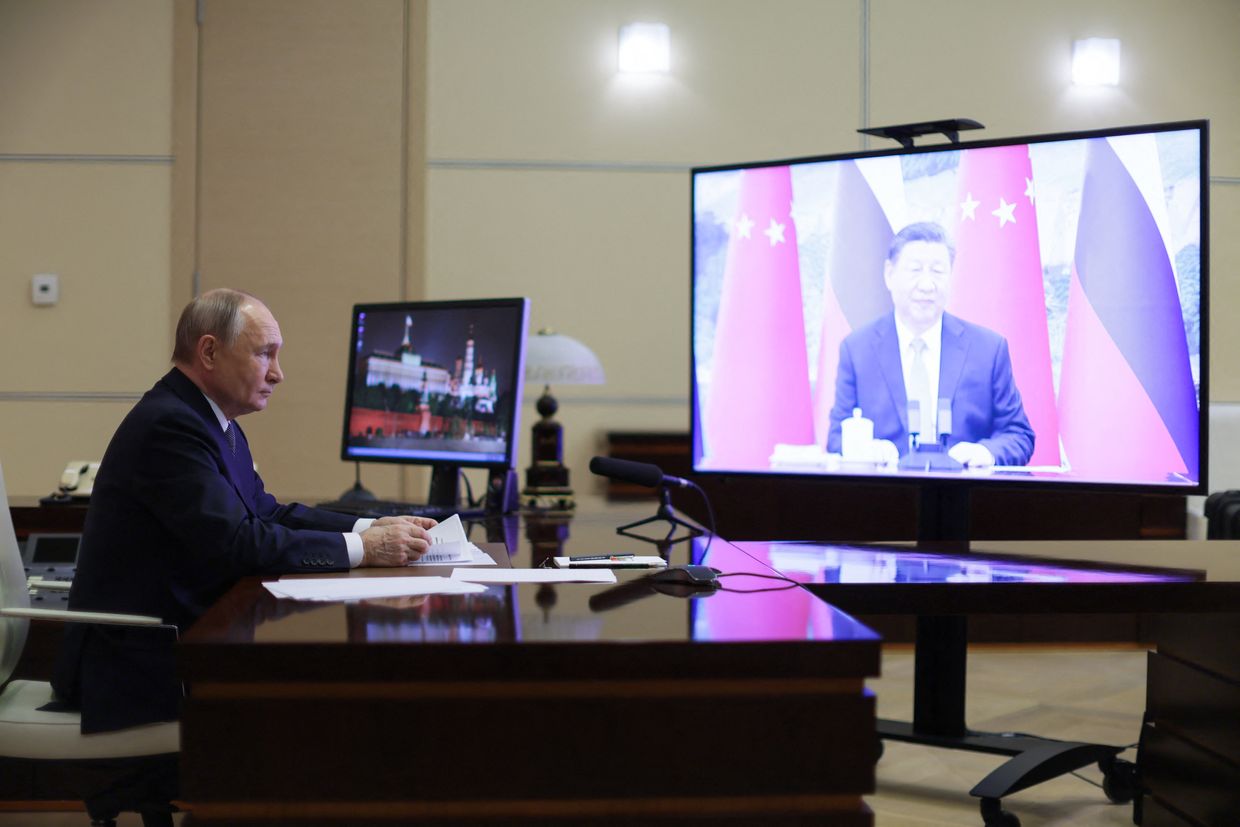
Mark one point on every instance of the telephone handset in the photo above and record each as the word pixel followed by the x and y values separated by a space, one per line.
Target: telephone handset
pixel 76 482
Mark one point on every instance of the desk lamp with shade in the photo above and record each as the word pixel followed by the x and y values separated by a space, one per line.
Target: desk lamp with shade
pixel 553 358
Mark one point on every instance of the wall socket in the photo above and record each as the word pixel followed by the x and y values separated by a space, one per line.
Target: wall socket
pixel 45 289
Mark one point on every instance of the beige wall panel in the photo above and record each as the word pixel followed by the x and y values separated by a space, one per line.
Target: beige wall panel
pixel 1224 292
pixel 1008 65
pixel 604 258
pixel 103 228
pixel 42 437
pixel 301 200
pixel 537 80
pixel 85 76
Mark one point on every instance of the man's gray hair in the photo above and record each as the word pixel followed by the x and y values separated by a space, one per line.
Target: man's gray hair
pixel 216 313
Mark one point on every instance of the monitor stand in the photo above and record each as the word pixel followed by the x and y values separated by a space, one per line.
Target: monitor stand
pixel 445 487
pixel 943 517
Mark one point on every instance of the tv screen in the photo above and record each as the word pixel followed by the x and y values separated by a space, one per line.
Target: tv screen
pixel 1020 310
pixel 436 382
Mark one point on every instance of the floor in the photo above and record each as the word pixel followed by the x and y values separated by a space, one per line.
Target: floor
pixel 1079 693
pixel 1088 694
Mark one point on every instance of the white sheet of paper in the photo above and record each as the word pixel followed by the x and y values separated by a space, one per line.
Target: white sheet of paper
pixel 478 557
pixel 449 545
pixel 534 575
pixel 361 588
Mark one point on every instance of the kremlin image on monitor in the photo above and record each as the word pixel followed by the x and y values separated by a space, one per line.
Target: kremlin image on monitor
pixel 433 383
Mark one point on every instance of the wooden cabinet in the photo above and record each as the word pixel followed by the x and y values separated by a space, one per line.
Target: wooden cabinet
pixel 1190 743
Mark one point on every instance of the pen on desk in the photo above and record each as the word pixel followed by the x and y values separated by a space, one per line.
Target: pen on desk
pixel 600 557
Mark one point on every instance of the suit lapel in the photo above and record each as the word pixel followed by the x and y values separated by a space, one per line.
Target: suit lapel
pixel 887 351
pixel 231 466
pixel 951 362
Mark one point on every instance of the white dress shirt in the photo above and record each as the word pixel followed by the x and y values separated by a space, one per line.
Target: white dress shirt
pixel 933 353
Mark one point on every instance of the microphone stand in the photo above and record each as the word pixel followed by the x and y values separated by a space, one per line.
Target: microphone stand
pixel 667 514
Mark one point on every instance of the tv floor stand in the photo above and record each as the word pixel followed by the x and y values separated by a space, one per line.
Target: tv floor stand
pixel 940 667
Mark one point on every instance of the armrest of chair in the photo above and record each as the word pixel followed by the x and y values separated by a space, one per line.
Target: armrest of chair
pixel 70 616
pixel 49 585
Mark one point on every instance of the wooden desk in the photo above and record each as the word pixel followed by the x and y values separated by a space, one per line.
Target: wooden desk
pixel 533 704
pixel 29 517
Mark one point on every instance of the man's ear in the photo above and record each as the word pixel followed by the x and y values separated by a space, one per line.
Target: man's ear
pixel 887 273
pixel 208 351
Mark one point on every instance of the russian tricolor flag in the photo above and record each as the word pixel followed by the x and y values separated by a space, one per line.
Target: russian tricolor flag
pixel 1127 405
pixel 854 293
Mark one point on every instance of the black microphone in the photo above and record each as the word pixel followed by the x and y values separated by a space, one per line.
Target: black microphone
pixel 638 473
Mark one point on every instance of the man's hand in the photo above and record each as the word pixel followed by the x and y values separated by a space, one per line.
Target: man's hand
pixel 422 522
pixel 394 543
pixel 971 455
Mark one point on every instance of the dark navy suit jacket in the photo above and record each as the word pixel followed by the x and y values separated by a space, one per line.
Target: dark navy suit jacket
pixel 175 519
pixel 975 372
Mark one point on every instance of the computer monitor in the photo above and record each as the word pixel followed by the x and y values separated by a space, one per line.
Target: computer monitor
pixel 1061 278
pixel 436 383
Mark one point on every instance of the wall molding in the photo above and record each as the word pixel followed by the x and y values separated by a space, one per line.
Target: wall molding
pixel 554 166
pixel 70 396
pixel 49 158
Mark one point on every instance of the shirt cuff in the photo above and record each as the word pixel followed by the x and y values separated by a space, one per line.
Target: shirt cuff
pixel 353 544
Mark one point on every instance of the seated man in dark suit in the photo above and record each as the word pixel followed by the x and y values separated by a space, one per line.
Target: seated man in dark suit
pixel 178 515
pixel 918 352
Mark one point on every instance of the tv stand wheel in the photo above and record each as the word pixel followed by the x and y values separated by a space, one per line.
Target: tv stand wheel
pixel 1119 780
pixel 993 814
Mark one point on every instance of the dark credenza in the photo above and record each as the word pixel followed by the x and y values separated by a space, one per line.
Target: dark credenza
pixel 820 508
pixel 1190 744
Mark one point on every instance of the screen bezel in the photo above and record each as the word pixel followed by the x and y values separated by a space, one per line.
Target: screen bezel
pixel 465 460
pixel 1200 488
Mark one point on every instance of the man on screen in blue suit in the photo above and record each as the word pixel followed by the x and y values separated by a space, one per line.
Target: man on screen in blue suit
pixel 178 515
pixel 920 352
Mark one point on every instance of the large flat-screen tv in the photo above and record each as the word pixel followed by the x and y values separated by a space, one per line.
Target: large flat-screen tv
pixel 436 383
pixel 1021 311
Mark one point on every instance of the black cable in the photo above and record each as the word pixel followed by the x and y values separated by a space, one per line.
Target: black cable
pixel 1086 780
pixel 711 512
pixel 755 591
pixel 758 574
pixel 469 489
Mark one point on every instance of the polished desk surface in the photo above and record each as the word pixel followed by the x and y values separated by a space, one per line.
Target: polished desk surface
pixel 1029 577
pixel 751 605
pixel 611 703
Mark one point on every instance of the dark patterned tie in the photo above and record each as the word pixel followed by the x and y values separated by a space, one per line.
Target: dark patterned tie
pixel 230 433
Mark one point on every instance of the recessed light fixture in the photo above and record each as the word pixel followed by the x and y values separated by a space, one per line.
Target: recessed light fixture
pixel 645 47
pixel 1095 62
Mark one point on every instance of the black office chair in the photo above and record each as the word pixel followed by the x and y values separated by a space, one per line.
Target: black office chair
pixel 130 770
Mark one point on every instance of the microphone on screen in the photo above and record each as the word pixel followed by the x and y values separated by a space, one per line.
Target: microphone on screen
pixel 638 473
